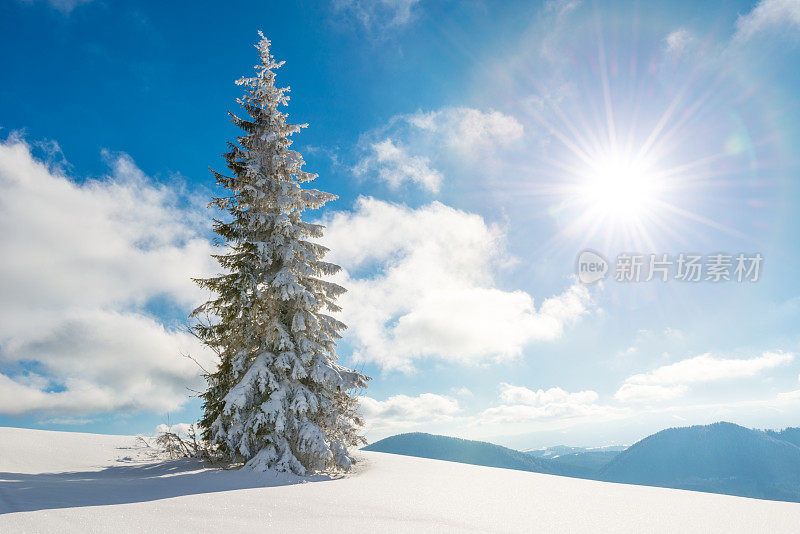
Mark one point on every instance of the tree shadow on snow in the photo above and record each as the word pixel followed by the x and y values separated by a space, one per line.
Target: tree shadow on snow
pixel 124 484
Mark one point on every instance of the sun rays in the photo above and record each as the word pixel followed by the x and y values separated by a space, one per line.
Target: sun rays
pixel 631 160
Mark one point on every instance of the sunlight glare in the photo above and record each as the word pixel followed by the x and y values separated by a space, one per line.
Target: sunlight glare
pixel 619 187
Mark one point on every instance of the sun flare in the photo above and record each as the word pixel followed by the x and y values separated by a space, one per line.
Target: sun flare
pixel 618 187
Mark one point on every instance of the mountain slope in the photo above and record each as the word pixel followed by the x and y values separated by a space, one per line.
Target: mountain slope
pixel 64 482
pixel 564 450
pixel 581 461
pixel 792 435
pixel 467 452
pixel 585 464
pixel 719 458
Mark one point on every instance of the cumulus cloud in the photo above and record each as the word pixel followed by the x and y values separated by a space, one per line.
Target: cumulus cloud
pixel 521 405
pixel 81 262
pixel 521 395
pixel 395 165
pixel 421 285
pixel 769 15
pixel 408 148
pixel 400 410
pixel 669 381
pixel 466 129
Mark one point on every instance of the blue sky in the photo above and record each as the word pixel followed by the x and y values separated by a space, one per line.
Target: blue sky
pixel 476 148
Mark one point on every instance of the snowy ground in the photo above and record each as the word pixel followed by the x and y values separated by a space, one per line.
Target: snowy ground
pixel 59 481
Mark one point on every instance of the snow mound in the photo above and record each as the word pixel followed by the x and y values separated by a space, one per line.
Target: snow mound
pixel 70 482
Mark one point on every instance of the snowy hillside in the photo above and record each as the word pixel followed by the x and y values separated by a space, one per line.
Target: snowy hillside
pixel 56 482
pixel 561 460
pixel 466 451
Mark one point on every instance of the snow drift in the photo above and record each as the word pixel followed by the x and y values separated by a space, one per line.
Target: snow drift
pixel 58 481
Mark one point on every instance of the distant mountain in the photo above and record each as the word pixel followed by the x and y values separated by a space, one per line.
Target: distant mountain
pixel 585 462
pixel 792 435
pixel 467 452
pixel 561 450
pixel 718 458
pixel 557 450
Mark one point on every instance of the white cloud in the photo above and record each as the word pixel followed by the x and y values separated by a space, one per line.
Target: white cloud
pixel 377 15
pixel 678 40
pixel 421 285
pixel 183 430
pixel 669 381
pixel 674 334
pixel 768 15
pixel 467 129
pixel 408 147
pixel 461 392
pixel 402 409
pixel 395 166
pixel 521 395
pixel 68 421
pixel 523 405
pixel 561 7
pixel 65 6
pixel 789 395
pixel 649 392
pixel 82 259
pixel 707 368
pixel 98 361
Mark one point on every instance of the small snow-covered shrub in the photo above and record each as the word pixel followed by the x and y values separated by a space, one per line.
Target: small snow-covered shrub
pixel 179 441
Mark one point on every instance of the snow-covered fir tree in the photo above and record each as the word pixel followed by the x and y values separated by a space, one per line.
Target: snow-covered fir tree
pixel 278 399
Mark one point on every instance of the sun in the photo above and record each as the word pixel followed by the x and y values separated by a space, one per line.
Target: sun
pixel 617 196
pixel 621 188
